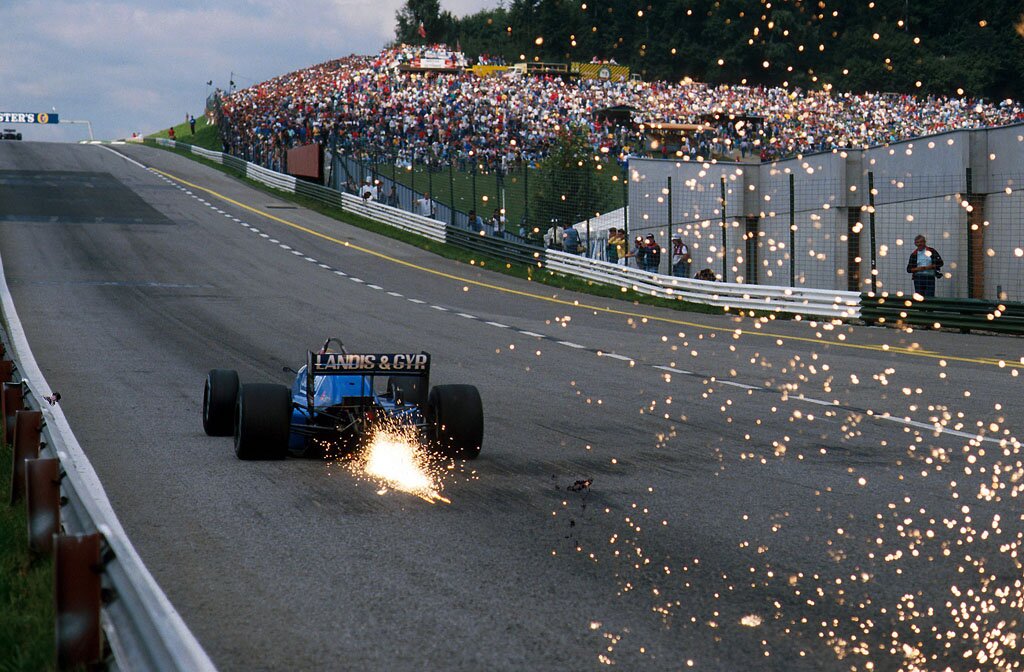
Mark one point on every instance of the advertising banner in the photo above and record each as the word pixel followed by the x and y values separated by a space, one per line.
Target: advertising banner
pixel 29 118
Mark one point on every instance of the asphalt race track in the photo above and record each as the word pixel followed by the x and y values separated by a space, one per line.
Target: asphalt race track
pixel 657 489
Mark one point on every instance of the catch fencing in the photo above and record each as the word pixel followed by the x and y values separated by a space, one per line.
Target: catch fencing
pixel 832 303
pixel 847 220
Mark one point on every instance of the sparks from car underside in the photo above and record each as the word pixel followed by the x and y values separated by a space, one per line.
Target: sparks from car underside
pixel 395 458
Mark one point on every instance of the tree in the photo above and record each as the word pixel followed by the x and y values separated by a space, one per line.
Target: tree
pixel 437 26
pixel 569 190
pixel 883 45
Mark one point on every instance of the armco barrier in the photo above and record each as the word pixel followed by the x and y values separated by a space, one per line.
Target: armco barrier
pixel 725 294
pixel 142 628
pixel 495 246
pixel 820 302
pixel 963 314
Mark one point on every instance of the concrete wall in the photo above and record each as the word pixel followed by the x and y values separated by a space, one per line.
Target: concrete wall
pixel 920 187
pixel 819 218
pixel 696 199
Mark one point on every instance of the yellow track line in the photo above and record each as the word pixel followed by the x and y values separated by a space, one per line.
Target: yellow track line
pixel 611 311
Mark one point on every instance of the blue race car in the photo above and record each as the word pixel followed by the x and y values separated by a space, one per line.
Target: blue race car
pixel 336 403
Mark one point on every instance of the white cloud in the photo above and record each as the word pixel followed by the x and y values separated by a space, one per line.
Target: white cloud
pixel 139 66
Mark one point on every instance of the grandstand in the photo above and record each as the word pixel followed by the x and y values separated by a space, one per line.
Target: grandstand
pixel 423 104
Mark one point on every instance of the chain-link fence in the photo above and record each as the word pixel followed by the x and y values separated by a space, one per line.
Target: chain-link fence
pixel 828 227
pixel 821 222
pixel 525 202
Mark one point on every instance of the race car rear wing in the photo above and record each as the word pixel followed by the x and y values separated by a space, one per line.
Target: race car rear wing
pixel 391 364
pixel 354 364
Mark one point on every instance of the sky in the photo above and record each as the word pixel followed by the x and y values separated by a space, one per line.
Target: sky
pixel 142 65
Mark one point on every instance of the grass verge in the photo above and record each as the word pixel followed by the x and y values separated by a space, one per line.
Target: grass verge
pixel 26 589
pixel 206 136
pixel 531 273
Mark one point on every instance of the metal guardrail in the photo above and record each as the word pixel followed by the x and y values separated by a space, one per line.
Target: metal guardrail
pixel 142 628
pixel 804 301
pixel 400 219
pixel 496 246
pixel 964 314
pixel 725 294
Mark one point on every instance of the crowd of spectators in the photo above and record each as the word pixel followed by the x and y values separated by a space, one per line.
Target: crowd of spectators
pixel 378 109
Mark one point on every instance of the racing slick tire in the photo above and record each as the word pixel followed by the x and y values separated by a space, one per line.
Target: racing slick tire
pixel 455 416
pixel 413 390
pixel 262 421
pixel 219 396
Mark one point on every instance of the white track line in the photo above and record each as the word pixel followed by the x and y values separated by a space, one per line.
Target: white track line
pixel 612 355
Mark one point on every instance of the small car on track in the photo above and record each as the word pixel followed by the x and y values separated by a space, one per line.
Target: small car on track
pixel 10 134
pixel 337 401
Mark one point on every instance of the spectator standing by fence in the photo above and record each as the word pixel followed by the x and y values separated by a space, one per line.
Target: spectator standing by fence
pixel 553 236
pixel 680 258
pixel 611 252
pixel 425 206
pixel 639 253
pixel 571 242
pixel 653 255
pixel 925 265
pixel 498 223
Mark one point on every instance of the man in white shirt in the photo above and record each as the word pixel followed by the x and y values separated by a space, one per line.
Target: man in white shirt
pixel 680 258
pixel 425 206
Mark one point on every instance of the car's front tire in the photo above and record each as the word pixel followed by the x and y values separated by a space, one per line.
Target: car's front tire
pixel 219 396
pixel 262 421
pixel 456 420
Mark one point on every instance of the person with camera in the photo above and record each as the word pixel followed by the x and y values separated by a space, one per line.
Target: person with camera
pixel 925 265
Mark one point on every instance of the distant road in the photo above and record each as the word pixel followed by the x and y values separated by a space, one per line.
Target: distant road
pixel 727 522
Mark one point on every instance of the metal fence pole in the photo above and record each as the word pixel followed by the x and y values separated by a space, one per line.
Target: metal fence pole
pixel 526 199
pixel 625 206
pixel 451 191
pixel 412 172
pixel 970 238
pixel 473 207
pixel 871 228
pixel 724 260
pixel 792 233
pixel 590 208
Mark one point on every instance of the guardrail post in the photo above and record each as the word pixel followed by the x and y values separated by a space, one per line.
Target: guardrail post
pixel 42 503
pixel 77 594
pixel 12 400
pixel 27 427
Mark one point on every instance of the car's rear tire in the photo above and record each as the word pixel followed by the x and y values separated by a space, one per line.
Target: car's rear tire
pixel 262 421
pixel 412 390
pixel 456 420
pixel 219 396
